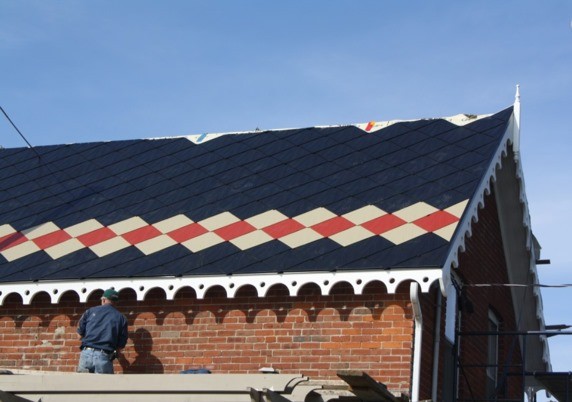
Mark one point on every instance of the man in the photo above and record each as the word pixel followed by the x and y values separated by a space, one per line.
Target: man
pixel 103 332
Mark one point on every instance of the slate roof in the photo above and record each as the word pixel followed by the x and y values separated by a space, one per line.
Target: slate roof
pixel 320 199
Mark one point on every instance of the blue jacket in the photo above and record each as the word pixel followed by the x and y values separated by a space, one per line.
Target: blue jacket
pixel 103 327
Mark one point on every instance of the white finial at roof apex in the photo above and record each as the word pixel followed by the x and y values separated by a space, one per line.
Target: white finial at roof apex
pixel 516 127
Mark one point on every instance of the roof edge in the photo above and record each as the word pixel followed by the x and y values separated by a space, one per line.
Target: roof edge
pixel 294 281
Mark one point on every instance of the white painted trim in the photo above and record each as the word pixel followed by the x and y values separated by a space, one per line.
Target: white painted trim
pixel 201 284
pixel 418 342
pixel 471 214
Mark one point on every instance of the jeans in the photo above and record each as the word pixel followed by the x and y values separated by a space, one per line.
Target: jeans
pixel 95 361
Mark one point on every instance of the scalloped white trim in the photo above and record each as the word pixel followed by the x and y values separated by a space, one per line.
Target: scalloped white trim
pixel 201 284
pixel 464 229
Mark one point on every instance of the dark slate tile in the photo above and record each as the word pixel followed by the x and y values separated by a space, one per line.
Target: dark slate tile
pixel 343 134
pixel 336 152
pixel 310 188
pixel 109 270
pixel 218 167
pixel 488 150
pixel 336 259
pixel 428 146
pixel 427 191
pixel 278 172
pixel 134 173
pixel 297 207
pixel 343 205
pixel 205 261
pixel 295 180
pixel 416 250
pixel 69 264
pixel 156 212
pixel 262 165
pixel 318 144
pixel 376 195
pixel 427 258
pixel 390 132
pixel 458 134
pixel 353 159
pixel 401 157
pixel 202 211
pixel 496 132
pixel 409 138
pixel 329 196
pixel 370 167
pixel 468 189
pixel 447 153
pixel 395 203
pixel 299 137
pixel 325 170
pixel 151 154
pixel 445 200
pixel 307 162
pixel 358 186
pixel 248 210
pixel 192 178
pixel 467 160
pixel 113 214
pixel 276 147
pixel 233 175
pixel 291 261
pixel 258 140
pixel 156 263
pixel 407 183
pixel 388 176
pixel 476 142
pixel 33 197
pixel 289 155
pixel 13 181
pixel 267 250
pixel 144 207
pixel 457 179
pixel 381 150
pixel 436 172
pixel 438 127
pixel 418 165
pixel 266 190
pixel 230 149
pixel 340 177
pixel 488 123
pixel 26 269
pixel 235 201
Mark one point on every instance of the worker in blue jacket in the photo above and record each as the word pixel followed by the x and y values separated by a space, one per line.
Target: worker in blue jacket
pixel 103 332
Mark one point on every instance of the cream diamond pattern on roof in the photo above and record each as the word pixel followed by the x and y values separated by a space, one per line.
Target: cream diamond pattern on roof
pixel 351 228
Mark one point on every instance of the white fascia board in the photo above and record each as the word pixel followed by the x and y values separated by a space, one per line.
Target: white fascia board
pixel 471 214
pixel 201 284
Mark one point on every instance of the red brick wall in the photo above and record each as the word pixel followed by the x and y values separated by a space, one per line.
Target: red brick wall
pixel 482 262
pixel 312 334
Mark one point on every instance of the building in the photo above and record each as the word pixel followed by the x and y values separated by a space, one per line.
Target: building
pixel 385 248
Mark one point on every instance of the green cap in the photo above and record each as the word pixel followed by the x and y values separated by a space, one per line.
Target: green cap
pixel 111 294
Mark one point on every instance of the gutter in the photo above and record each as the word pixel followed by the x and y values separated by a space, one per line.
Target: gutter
pixel 436 346
pixel 418 317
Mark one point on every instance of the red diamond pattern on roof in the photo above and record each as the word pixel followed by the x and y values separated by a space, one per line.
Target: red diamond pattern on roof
pixel 51 239
pixel 97 236
pixel 187 232
pixel 332 226
pixel 140 235
pixel 283 228
pixel 12 240
pixel 225 227
pixel 436 220
pixel 235 230
pixel 383 224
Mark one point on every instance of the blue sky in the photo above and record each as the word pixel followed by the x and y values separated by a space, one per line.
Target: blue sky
pixel 81 71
